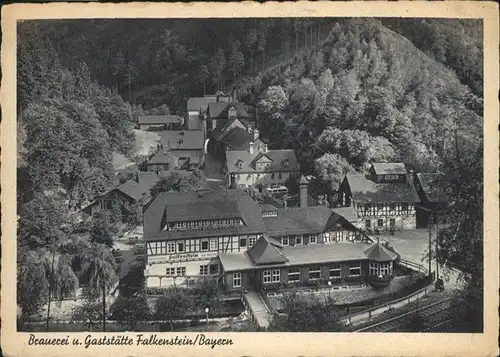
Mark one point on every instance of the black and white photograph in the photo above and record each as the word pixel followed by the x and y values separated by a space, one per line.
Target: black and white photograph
pixel 253 174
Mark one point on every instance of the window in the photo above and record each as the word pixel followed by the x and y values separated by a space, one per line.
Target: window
pixel 276 275
pixel 236 280
pixel 355 269
pixel 106 204
pixel 392 206
pixel 266 276
pixel 258 175
pixel 181 271
pixel 180 247
pixel 313 239
pixel 238 176
pixel 243 242
pixel 285 240
pixel 314 273
pixel 286 163
pixel 214 244
pixel 373 268
pixel 170 248
pixel 380 223
pixel 251 241
pixel 298 240
pixel 385 269
pixel 280 175
pixel 368 224
pixel 293 274
pixel 203 269
pixel 272 176
pixel 204 245
pixel 335 271
pixel 170 271
pixel 392 223
pixel 214 269
pixel 405 207
pixel 339 236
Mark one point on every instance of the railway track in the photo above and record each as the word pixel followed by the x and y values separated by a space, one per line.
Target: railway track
pixel 424 311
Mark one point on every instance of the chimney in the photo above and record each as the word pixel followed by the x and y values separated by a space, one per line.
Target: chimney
pixel 265 148
pixel 232 186
pixel 234 96
pixel 250 149
pixel 249 128
pixel 303 192
pixel 255 134
pixel 410 178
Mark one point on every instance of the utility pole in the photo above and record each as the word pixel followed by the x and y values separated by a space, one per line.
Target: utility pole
pixel 437 236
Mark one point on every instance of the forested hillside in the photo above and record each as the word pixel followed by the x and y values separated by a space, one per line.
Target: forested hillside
pixel 341 92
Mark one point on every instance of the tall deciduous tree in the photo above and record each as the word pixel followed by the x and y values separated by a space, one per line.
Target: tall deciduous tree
pixel 102 272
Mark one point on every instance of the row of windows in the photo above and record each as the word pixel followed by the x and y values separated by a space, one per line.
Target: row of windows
pixel 203 245
pixel 230 222
pixel 269 213
pixel 380 268
pixel 314 273
pixel 273 176
pixel 380 223
pixel 385 209
pixel 299 239
pixel 178 271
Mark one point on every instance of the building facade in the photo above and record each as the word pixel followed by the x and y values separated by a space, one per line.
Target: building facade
pixel 383 200
pixel 259 166
pixel 187 233
pixel 159 122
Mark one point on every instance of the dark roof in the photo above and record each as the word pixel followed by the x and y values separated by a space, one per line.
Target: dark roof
pixel 201 211
pixel 391 168
pixel 248 160
pixel 348 213
pixel 221 109
pixel 238 139
pixel 182 139
pixel 200 103
pixel 162 157
pixel 379 253
pixel 365 190
pixel 148 178
pixel 300 220
pixel 196 204
pixel 299 255
pixel 263 252
pixel 430 187
pixel 159 119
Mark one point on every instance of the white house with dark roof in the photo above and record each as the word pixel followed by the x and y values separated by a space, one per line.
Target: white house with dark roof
pixel 258 165
pixel 383 200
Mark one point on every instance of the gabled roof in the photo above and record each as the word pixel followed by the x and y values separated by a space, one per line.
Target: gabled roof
pixel 379 253
pixel 200 103
pixel 348 213
pixel 195 204
pixel 303 180
pixel 238 139
pixel 263 252
pixel 365 190
pixel 162 157
pixel 277 157
pixel 159 119
pixel 391 168
pixel 430 187
pixel 300 220
pixel 221 109
pixel 182 139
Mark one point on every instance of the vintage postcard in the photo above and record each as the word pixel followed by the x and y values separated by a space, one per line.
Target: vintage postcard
pixel 229 179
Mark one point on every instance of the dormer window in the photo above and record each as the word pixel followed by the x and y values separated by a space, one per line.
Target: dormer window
pixel 180 142
pixel 286 163
pixel 239 163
